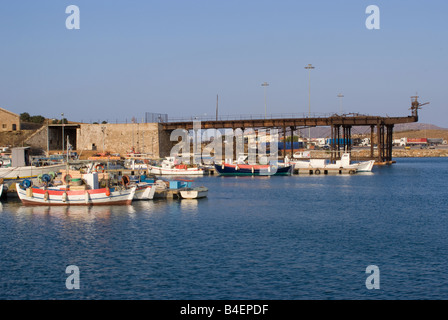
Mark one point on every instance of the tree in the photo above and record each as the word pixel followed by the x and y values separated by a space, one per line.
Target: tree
pixel 37 119
pixel 25 117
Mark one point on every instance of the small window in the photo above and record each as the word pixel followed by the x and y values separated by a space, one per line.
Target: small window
pixel 4 126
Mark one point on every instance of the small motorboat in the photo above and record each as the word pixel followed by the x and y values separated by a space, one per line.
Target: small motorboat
pixel 194 193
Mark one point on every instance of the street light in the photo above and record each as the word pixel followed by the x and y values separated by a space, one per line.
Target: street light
pixel 265 84
pixel 309 67
pixel 340 101
pixel 62 121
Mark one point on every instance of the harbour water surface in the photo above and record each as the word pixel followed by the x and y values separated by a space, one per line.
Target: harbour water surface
pixel 296 237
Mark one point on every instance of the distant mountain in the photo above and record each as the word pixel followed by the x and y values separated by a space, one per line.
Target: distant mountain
pixel 325 132
pixel 416 126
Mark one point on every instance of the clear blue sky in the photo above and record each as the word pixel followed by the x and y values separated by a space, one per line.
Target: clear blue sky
pixel 174 57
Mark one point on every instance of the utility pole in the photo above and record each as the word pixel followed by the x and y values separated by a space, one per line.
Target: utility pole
pixel 216 107
pixel 309 67
pixel 340 102
pixel 265 84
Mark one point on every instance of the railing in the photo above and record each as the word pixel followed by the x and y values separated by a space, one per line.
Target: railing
pixel 260 117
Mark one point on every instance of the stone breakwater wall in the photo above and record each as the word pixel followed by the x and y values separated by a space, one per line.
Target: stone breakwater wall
pixel 412 153
pixel 401 153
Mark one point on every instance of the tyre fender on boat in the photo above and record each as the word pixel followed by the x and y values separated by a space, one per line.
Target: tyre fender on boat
pixel 317 171
pixel 66 178
pixel 46 178
pixel 29 192
pixel 25 184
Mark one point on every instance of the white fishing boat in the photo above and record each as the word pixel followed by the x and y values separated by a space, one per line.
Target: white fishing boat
pixel 5 162
pixel 71 195
pixel 21 169
pixel 170 166
pixel 194 193
pixel 27 172
pixel 344 163
pixel 144 191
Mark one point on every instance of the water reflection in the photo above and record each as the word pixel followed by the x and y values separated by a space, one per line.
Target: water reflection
pixel 189 205
pixel 76 213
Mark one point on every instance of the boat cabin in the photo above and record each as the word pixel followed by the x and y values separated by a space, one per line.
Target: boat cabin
pixel 20 157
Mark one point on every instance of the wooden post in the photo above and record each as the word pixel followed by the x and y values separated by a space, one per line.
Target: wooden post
pixel 292 141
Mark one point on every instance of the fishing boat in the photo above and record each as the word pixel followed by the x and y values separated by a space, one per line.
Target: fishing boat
pixel 21 169
pixel 194 193
pixel 145 186
pixel 71 195
pixel 5 162
pixel 170 166
pixel 344 163
pixel 238 169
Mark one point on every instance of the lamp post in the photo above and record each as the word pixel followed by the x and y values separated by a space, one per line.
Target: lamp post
pixel 265 84
pixel 309 67
pixel 62 121
pixel 340 96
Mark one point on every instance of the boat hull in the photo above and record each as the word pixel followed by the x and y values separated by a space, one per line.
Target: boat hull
pixel 365 166
pixel 252 170
pixel 51 197
pixel 145 192
pixel 195 193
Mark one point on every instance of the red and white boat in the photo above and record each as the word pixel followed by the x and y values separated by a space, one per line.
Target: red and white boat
pixel 62 197
pixel 71 195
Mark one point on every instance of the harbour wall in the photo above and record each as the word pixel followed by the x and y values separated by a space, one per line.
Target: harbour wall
pixel 145 138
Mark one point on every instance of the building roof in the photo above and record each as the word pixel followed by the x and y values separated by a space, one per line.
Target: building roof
pixel 7 111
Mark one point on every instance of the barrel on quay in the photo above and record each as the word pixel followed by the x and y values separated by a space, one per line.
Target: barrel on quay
pixel 325 171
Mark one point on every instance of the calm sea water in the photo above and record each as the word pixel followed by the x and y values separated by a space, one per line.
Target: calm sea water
pixel 298 237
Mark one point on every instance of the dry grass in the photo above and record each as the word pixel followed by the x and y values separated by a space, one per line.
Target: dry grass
pixel 422 134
